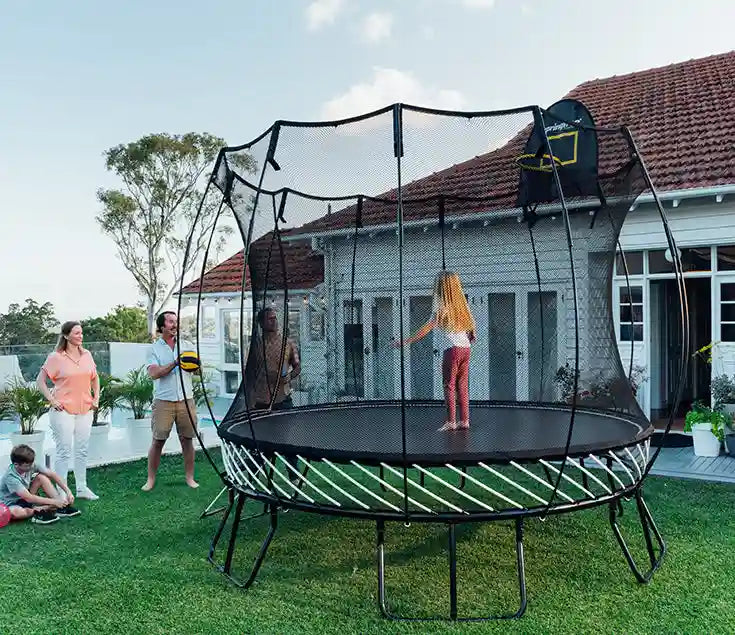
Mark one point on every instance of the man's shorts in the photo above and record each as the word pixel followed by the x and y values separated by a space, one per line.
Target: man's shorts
pixel 166 413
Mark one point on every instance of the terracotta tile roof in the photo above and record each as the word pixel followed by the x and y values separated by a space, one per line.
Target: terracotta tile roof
pixel 305 268
pixel 682 117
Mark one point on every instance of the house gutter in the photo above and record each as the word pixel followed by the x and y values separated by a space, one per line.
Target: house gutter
pixel 676 196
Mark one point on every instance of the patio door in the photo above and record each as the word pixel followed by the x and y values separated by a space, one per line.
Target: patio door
pixel 523 342
pixel 723 353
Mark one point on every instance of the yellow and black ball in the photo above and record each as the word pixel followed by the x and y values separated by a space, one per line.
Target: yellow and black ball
pixel 189 361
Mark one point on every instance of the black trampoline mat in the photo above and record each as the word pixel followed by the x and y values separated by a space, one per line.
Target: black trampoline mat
pixel 371 433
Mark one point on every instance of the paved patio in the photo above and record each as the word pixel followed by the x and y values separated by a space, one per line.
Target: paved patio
pixel 681 463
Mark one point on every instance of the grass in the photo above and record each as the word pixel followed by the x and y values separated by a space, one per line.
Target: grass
pixel 136 563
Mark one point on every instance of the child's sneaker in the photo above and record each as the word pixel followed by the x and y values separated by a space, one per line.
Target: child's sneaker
pixel 67 512
pixel 45 517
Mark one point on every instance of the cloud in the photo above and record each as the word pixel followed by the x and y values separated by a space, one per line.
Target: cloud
pixel 322 12
pixel 428 32
pixel 377 26
pixel 527 9
pixel 387 86
pixel 478 4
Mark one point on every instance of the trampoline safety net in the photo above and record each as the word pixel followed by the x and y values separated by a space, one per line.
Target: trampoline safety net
pixel 346 226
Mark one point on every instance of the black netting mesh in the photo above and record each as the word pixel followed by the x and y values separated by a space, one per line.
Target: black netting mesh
pixel 346 225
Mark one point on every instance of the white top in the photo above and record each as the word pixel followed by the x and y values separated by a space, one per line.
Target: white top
pixel 450 340
pixel 168 387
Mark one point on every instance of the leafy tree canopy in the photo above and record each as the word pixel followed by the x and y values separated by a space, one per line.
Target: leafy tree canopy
pixel 33 323
pixel 152 214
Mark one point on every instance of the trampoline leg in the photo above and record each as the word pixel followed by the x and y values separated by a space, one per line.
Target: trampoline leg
pixel 227 567
pixel 649 527
pixel 453 613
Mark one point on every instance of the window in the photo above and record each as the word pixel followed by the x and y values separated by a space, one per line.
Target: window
pixel 634 260
pixel 209 321
pixel 316 323
pixel 696 259
pixel 727 311
pixel 726 258
pixel 231 336
pixel 631 314
pixel 231 381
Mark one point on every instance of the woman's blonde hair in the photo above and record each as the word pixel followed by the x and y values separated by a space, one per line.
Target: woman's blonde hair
pixel 66 328
pixel 452 310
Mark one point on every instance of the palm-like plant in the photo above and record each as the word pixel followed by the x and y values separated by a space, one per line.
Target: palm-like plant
pixel 135 392
pixel 26 402
pixel 109 397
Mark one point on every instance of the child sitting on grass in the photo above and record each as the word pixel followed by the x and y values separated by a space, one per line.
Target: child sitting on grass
pixel 19 488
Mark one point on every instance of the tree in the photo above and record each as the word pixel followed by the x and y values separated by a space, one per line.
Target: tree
pixel 122 324
pixel 33 323
pixel 151 216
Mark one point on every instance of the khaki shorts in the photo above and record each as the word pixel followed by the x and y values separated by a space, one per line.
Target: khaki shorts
pixel 166 413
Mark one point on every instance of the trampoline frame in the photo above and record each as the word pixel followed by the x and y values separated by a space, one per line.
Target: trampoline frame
pixel 240 491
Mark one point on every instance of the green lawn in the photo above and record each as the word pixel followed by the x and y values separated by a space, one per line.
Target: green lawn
pixel 136 563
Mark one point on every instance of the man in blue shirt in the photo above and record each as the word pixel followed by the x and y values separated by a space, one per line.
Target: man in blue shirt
pixel 171 404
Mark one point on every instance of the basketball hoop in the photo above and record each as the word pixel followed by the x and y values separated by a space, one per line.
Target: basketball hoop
pixel 536 163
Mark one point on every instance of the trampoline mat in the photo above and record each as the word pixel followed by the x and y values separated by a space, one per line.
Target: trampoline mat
pixel 371 432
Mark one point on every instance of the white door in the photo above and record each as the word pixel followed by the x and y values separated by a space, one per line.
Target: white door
pixel 633 331
pixel 520 335
pixel 382 380
pixel 723 332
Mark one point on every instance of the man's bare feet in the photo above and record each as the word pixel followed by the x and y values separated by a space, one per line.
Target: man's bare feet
pixel 149 485
pixel 192 483
pixel 449 425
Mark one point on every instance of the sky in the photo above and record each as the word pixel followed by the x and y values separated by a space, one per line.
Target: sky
pixel 77 78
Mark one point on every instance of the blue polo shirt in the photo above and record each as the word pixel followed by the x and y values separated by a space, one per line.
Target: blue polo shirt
pixel 168 387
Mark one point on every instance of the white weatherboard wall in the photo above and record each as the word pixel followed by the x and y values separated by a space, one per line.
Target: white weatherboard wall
pixel 497 257
pixel 699 222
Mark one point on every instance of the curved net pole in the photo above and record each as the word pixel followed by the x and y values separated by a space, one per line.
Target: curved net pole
pixel 681 287
pixel 358 225
pixel 197 322
pixel 398 153
pixel 441 228
pixel 630 306
pixel 247 240
pixel 538 116
pixel 286 309
pixel 530 221
pixel 187 253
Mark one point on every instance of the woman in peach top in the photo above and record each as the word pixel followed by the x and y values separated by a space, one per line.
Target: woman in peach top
pixel 76 391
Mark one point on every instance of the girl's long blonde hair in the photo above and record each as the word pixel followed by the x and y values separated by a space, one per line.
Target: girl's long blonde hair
pixel 452 311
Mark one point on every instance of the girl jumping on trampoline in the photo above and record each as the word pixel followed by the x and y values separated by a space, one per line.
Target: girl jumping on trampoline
pixel 454 321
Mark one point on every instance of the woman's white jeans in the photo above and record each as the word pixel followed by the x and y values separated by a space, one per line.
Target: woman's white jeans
pixel 68 429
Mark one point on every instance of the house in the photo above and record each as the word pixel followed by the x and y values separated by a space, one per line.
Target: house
pixel 683 119
pixel 220 316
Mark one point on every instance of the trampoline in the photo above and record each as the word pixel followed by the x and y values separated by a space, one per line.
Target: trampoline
pixel 499 433
pixel 345 227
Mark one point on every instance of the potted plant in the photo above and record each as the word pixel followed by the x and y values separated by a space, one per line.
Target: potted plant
pixel 707 426
pixel 101 416
pixel 26 403
pixel 723 399
pixel 135 393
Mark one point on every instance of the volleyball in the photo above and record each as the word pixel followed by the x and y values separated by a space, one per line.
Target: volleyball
pixel 4 515
pixel 189 361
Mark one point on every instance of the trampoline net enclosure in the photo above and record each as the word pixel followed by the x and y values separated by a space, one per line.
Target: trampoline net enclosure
pixel 345 226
